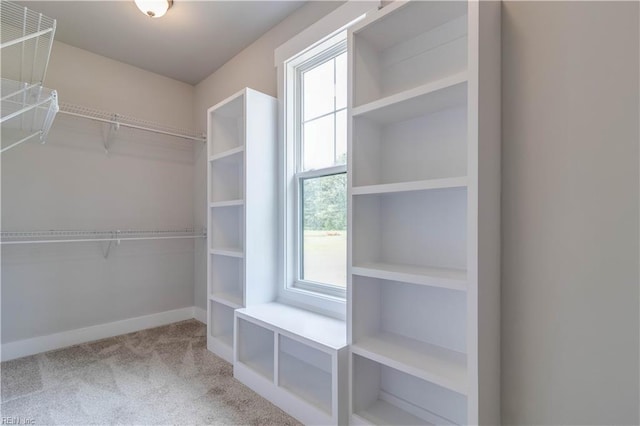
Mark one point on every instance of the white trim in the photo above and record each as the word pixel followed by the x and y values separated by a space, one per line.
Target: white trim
pixel 332 22
pixel 36 345
pixel 199 314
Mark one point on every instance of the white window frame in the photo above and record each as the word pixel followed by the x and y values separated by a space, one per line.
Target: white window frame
pixel 324 51
pixel 306 45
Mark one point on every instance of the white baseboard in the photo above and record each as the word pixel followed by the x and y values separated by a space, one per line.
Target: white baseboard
pixel 200 314
pixel 36 345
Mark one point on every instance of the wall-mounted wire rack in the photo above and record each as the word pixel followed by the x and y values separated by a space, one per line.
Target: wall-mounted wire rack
pixel 101 236
pixel 75 236
pixel 26 38
pixel 118 120
pixel 27 109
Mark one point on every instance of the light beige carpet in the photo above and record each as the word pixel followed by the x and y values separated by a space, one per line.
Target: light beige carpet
pixel 163 375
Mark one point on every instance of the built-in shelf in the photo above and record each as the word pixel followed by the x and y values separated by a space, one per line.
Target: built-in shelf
pixel 424 192
pixel 220 329
pixel 224 339
pixel 227 153
pixel 384 395
pixel 227 251
pixel 381 412
pixel 421 185
pixel 453 279
pixel 435 364
pixel 306 380
pixel 231 300
pixel 230 203
pixel 446 93
pixel 241 267
pixel 255 348
pixel 307 350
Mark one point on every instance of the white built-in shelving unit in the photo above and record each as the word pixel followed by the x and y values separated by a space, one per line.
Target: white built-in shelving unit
pixel 27 108
pixel 295 358
pixel 242 211
pixel 424 176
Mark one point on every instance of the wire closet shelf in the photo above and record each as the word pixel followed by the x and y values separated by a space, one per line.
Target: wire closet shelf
pixel 126 121
pixel 27 109
pixel 75 236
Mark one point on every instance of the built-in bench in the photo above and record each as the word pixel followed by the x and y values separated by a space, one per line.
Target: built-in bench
pixel 294 358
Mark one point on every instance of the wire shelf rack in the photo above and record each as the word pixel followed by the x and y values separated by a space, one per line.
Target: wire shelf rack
pixel 127 121
pixel 70 236
pixel 26 38
pixel 26 111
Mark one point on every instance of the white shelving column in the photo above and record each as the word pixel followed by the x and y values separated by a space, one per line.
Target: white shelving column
pixel 424 203
pixel 242 215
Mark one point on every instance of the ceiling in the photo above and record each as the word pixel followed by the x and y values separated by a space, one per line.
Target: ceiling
pixel 190 42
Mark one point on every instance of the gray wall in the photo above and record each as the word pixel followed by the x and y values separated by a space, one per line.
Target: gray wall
pixel 253 67
pixel 145 182
pixel 570 213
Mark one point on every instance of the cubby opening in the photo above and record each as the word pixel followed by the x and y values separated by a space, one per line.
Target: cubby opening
pixel 385 396
pixel 431 146
pixel 226 127
pixel 306 372
pixel 227 178
pixel 411 311
pixel 227 225
pixel 419 43
pixel 424 229
pixel 227 278
pixel 221 323
pixel 421 328
pixel 255 348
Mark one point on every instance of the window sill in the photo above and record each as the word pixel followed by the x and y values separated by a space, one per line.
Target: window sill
pixel 317 303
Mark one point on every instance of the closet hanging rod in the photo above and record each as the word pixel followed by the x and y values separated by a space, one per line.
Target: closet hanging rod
pixel 31 237
pixel 68 110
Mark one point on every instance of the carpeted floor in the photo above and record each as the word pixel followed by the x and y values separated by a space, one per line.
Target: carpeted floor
pixel 163 375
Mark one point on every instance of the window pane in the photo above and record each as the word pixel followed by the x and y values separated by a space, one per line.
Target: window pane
pixel 317 143
pixel 341 81
pixel 341 137
pixel 318 90
pixel 324 242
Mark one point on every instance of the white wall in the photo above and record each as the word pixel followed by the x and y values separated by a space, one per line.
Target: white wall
pixel 254 68
pixel 570 213
pixel 145 182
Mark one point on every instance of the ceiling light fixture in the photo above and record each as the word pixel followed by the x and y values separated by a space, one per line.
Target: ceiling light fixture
pixel 154 8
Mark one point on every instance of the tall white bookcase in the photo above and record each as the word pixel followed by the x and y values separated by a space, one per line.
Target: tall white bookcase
pixel 424 202
pixel 242 211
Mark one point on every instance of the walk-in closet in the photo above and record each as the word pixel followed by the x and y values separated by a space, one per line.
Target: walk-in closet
pixel 284 212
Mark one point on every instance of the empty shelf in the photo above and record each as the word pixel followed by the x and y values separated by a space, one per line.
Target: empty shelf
pixel 231 300
pixel 306 381
pixel 227 251
pixel 384 413
pixel 435 96
pixel 230 203
pixel 453 279
pixel 420 185
pixel 226 154
pixel 432 363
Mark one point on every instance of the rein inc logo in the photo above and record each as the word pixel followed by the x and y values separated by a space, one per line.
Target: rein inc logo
pixel 18 421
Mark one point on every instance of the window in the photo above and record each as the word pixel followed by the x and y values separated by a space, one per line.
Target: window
pixel 318 179
pixel 312 87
